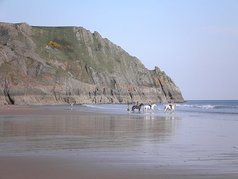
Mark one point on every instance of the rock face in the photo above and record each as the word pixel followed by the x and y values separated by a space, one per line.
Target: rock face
pixel 54 65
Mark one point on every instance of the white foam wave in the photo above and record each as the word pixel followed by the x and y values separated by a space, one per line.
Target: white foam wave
pixel 93 106
pixel 208 106
pixel 106 107
pixel 226 108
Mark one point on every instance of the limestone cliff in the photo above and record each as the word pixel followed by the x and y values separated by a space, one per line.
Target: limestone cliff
pixel 53 65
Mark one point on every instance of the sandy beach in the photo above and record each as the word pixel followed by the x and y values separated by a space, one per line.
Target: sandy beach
pixel 56 142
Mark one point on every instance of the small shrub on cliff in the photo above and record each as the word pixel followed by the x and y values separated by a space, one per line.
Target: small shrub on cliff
pixel 54 44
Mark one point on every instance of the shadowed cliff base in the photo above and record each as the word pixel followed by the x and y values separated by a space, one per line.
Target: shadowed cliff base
pixel 54 65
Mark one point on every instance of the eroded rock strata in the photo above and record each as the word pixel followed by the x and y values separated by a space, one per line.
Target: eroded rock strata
pixel 55 65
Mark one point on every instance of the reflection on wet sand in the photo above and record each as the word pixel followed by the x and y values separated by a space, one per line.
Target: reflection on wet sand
pixel 87 130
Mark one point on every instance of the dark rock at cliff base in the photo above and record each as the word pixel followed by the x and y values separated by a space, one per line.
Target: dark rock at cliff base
pixel 55 65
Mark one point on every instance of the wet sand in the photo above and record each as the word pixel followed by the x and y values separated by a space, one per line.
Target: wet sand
pixel 45 142
pixel 48 168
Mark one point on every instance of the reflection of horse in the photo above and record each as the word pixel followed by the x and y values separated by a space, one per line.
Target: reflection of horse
pixel 149 107
pixel 136 107
pixel 169 107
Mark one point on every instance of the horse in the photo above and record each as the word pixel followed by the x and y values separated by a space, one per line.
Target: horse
pixel 149 107
pixel 169 107
pixel 136 107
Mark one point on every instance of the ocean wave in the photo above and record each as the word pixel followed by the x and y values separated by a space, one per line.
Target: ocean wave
pixel 106 106
pixel 225 107
pixel 208 106
pixel 221 107
pixel 93 106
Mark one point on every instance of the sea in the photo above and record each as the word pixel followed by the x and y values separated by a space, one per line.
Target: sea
pixel 209 106
pixel 190 106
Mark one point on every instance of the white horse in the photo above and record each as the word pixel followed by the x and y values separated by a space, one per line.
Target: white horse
pixel 169 108
pixel 147 107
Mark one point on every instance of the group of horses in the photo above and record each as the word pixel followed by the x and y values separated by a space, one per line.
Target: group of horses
pixel 151 107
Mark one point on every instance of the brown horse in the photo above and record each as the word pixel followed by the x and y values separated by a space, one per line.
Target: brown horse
pixel 136 107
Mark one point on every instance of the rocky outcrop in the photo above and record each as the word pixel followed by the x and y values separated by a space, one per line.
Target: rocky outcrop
pixel 53 65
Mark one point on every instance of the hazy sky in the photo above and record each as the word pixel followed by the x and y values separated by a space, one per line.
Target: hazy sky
pixel 194 41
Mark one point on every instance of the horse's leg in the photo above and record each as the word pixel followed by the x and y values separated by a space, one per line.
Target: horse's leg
pixel 167 109
pixel 145 109
pixel 173 108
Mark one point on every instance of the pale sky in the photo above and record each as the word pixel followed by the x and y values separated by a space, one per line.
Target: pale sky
pixel 194 41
